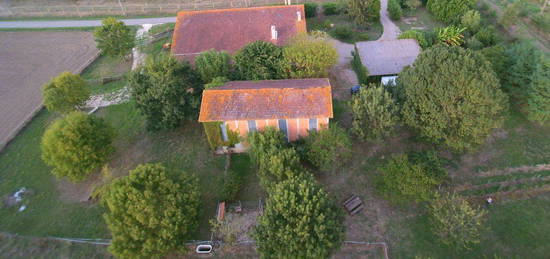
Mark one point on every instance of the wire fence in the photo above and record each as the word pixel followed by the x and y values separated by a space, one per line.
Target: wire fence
pixel 121 8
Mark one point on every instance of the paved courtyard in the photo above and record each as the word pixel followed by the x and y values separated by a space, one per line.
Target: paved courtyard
pixel 27 61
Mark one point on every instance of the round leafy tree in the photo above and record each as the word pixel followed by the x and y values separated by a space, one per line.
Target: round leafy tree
pixel 455 221
pixel 452 96
pixel 212 64
pixel 114 38
pixel 309 57
pixel 260 60
pixel 449 11
pixel 364 11
pixel 166 91
pixel 151 212
pixel 299 220
pixel 65 93
pixel 374 113
pixel 77 144
pixel 328 149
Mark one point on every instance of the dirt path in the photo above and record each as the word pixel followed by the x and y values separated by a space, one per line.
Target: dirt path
pixel 391 31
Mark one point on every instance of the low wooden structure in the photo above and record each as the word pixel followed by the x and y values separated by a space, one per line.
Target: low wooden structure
pixel 353 204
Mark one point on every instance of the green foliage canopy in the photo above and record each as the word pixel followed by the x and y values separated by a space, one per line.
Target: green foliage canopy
pixel 151 212
pixel 211 64
pixel 538 98
pixel 455 221
pixel 451 95
pixel 114 38
pixel 299 220
pixel 77 144
pixel 364 11
pixel 471 20
pixel 374 113
pixel 394 8
pixel 449 11
pixel 166 92
pixel 65 93
pixel 328 149
pixel 417 35
pixel 309 57
pixel 260 60
pixel 523 60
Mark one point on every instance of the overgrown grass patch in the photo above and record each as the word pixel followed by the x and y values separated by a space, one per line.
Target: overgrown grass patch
pixel 342 28
pixel 419 19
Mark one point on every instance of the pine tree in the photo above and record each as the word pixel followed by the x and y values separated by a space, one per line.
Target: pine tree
pixel 539 93
pixel 374 113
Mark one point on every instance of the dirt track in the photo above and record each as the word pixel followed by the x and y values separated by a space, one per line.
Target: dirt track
pixel 27 61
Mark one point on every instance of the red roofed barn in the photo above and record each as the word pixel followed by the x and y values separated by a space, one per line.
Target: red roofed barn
pixel 294 106
pixel 232 29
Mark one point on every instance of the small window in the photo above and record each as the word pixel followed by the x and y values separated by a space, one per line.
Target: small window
pixel 313 124
pixel 251 126
pixel 223 127
pixel 283 127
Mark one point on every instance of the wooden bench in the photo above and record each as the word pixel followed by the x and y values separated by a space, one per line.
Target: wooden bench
pixel 353 204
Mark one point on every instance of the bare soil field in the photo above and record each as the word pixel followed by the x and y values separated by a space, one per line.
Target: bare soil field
pixel 27 61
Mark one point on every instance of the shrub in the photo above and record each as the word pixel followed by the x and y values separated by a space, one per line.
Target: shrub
pixel 214 135
pixel 474 44
pixel 449 11
pixel 310 9
pixel 232 185
pixel 65 93
pixel 114 38
pixel 300 220
pixel 331 8
pixel 412 4
pixel 542 21
pixel 262 142
pixel 510 15
pixel 211 64
pixel 364 11
pixel 471 20
pixel 328 149
pixel 394 9
pixel 417 35
pixel 278 164
pixel 151 212
pixel 77 144
pixel 166 91
pixel 260 60
pixel 217 81
pixel 361 71
pixel 342 33
pixel 498 58
pixel 440 77
pixel 309 57
pixel 487 36
pixel 455 221
pixel 451 35
pixel 374 113
pixel 402 180
pixel 538 97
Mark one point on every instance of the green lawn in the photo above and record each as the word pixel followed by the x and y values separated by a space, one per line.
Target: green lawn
pixel 360 33
pixel 161 28
pixel 424 20
pixel 104 67
pixel 517 229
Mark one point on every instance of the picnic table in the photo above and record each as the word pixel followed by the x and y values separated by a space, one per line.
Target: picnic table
pixel 353 204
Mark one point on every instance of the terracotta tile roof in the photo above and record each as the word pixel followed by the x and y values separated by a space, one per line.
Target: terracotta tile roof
pixel 269 99
pixel 231 29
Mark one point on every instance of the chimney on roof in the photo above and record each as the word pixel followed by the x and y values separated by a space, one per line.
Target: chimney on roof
pixel 299 15
pixel 273 32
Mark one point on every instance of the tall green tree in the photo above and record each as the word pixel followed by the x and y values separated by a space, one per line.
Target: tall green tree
pixel 151 212
pixel 538 98
pixel 394 9
pixel 364 11
pixel 328 149
pixel 499 59
pixel 452 96
pixel 260 60
pixel 449 11
pixel 455 221
pixel 309 57
pixel 211 64
pixel 114 38
pixel 166 91
pixel 77 144
pixel 374 113
pixel 65 93
pixel 471 20
pixel 300 220
pixel 522 63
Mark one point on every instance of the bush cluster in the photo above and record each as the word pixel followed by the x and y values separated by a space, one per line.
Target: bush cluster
pixel 394 8
pixel 328 149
